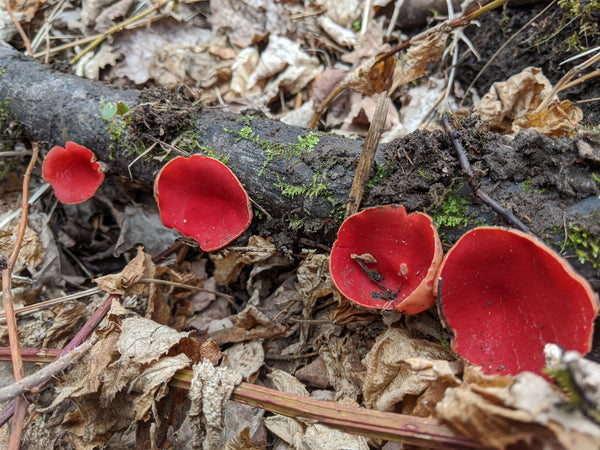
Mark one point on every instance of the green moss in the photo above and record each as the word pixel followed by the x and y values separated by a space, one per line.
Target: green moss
pixel 526 185
pixel 117 117
pixel 318 186
pixel 305 144
pixel 586 29
pixel 453 210
pixel 585 245
pixel 189 142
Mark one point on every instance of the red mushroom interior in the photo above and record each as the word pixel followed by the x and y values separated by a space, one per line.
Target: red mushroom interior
pixel 202 199
pixel 72 172
pixel 404 251
pixel 505 295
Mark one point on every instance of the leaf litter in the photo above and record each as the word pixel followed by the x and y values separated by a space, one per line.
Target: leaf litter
pixel 286 322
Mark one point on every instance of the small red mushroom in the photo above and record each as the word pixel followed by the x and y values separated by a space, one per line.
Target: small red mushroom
pixel 386 259
pixel 202 199
pixel 505 295
pixel 72 172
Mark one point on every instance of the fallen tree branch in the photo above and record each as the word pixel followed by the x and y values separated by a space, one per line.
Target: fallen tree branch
pixel 297 177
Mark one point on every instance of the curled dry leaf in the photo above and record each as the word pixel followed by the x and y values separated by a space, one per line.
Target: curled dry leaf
pixel 139 267
pixel 484 408
pixel 511 105
pixel 390 378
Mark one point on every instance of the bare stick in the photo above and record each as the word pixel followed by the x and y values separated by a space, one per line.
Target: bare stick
pixel 363 170
pixel 19 28
pixel 420 431
pixel 28 383
pixel 507 214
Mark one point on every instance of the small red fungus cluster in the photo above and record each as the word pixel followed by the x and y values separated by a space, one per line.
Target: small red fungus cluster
pixel 73 173
pixel 502 293
pixel 198 196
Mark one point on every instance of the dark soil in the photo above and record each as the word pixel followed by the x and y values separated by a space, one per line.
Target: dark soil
pixel 544 44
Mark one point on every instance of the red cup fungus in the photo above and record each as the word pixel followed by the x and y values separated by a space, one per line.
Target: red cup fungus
pixel 386 259
pixel 202 199
pixel 72 172
pixel 505 295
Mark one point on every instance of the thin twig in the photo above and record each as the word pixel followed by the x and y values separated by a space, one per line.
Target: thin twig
pixel 54 301
pixel 38 355
pixel 18 27
pixel 7 267
pixel 507 214
pixel 19 387
pixel 230 298
pixel 427 432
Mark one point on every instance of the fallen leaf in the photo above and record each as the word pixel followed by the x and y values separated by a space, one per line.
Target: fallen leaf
pixel 246 22
pixel 389 378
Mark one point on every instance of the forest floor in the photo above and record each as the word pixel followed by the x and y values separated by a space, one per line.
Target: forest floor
pixel 519 86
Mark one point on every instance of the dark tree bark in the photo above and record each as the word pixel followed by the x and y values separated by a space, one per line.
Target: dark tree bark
pixel 546 182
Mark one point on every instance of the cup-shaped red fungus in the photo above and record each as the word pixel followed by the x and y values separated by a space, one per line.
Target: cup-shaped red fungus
pixel 386 259
pixel 72 172
pixel 202 199
pixel 505 295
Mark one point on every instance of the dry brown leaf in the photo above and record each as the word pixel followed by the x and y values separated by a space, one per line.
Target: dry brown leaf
pixel 314 374
pixel 510 105
pixel 314 281
pixel 426 47
pixel 26 7
pixel 139 267
pixel 373 76
pixel 246 22
pixel 342 12
pixel 502 411
pixel 31 252
pixel 389 378
pixel 558 119
pixel 67 320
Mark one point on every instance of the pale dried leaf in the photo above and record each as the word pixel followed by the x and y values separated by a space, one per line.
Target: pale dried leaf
pixel 209 392
pixel 152 383
pixel 285 382
pixel 511 105
pixel 342 12
pixel 341 35
pixel 141 47
pixel 524 410
pixel 31 252
pixel 300 117
pixel 244 64
pixel 326 438
pixel 388 379
pixel 109 17
pixel 145 341
pixel 314 280
pixel 277 56
pixel 246 358
pixel 284 428
pixel 246 22
pixel 227 267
